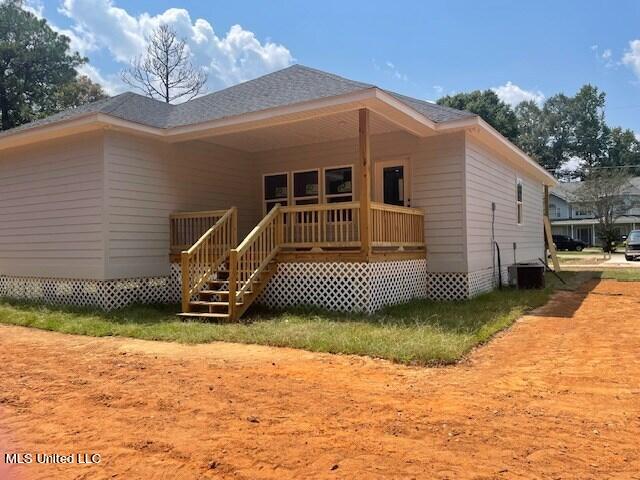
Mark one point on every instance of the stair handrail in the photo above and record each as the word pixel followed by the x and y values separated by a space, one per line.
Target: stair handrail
pixel 202 259
pixel 251 257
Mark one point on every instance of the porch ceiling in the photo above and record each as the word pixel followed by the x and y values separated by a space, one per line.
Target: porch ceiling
pixel 338 126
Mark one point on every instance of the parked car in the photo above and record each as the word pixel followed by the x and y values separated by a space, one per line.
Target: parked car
pixel 564 242
pixel 632 245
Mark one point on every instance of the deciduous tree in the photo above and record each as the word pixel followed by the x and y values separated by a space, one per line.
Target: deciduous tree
pixel 35 62
pixel 486 104
pixel 165 71
pixel 603 194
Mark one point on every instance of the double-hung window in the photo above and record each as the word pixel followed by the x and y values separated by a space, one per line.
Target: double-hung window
pixel 306 189
pixel 519 201
pixel 275 190
pixel 338 184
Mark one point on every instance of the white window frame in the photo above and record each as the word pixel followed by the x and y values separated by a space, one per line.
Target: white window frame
pixel 279 199
pixel 325 196
pixel 519 202
pixel 318 196
pixel 577 212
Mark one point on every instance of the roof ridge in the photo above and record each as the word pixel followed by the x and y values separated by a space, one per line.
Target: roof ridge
pixel 236 85
pixel 333 75
pixel 122 97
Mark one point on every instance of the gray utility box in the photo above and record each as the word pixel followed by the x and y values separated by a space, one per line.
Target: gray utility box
pixel 526 275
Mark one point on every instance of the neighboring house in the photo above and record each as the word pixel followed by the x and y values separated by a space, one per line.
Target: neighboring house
pixel 382 198
pixel 568 218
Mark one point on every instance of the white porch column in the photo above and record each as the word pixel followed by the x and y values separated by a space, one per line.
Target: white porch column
pixel 593 234
pixel 572 230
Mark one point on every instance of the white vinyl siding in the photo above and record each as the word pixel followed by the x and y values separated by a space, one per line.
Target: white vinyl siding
pixel 490 178
pixel 97 206
pixel 438 188
pixel 51 198
pixel 148 180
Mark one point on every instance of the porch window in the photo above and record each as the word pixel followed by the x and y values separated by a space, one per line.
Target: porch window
pixel 338 184
pixel 276 190
pixel 519 201
pixel 306 187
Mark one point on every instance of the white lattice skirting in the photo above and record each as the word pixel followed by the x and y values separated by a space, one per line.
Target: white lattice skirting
pixel 461 286
pixel 105 294
pixel 485 280
pixel 356 287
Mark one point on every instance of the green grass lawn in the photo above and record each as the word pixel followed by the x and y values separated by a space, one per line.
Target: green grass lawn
pixel 420 332
pixel 621 274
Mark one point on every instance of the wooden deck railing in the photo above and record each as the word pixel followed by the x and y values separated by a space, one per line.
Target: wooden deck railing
pixel 393 226
pixel 253 255
pixel 329 225
pixel 206 254
pixel 185 228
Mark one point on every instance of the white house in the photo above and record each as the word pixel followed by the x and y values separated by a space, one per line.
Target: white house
pixel 568 218
pixel 298 187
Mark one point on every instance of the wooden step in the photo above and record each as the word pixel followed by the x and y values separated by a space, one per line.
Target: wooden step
pixel 226 292
pixel 208 292
pixel 199 306
pixel 217 316
pixel 213 304
pixel 222 282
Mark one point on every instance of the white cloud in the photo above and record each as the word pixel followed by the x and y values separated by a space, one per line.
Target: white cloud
pixel 512 94
pixel 228 59
pixel 605 56
pixel 631 57
pixel 34 6
pixel 439 89
pixel 390 69
pixel 395 72
pixel 638 136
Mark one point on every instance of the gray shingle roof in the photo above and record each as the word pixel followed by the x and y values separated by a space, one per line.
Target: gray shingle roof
pixel 566 189
pixel 284 87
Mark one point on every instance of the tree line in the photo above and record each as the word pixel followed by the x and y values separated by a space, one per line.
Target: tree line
pixel 563 128
pixel 38 72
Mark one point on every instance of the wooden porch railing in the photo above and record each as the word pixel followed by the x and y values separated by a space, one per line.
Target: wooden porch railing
pixel 185 228
pixel 394 226
pixel 253 255
pixel 207 253
pixel 328 225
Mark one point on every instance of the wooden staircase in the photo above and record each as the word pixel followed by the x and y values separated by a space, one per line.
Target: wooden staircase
pixel 212 302
pixel 220 281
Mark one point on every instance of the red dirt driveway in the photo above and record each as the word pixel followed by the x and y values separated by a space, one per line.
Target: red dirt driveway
pixel 557 396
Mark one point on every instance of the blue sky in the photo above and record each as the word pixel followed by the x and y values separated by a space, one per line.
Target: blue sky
pixel 423 49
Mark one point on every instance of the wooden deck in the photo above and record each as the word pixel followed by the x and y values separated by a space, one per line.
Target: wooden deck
pixel 226 277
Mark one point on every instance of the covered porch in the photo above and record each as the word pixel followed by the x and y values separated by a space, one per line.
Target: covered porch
pixel 356 212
